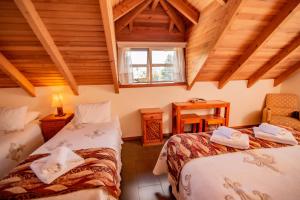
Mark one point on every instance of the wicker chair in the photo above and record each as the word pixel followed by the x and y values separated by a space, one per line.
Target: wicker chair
pixel 279 108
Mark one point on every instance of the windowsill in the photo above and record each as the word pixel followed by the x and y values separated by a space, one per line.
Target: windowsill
pixel 138 85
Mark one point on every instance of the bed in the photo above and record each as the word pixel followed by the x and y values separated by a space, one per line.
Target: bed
pixel 196 169
pixel 99 144
pixel 17 145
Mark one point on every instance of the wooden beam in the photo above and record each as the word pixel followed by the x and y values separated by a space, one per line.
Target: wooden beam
pixel 154 4
pixel 282 77
pixel 185 10
pixel 28 10
pixel 10 70
pixel 124 21
pixel 109 30
pixel 125 7
pixel 131 26
pixel 285 13
pixel 281 55
pixel 173 15
pixel 171 26
pixel 222 2
pixel 231 13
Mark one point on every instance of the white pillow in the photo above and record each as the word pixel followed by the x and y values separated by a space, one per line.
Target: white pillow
pixel 30 116
pixel 12 119
pixel 93 113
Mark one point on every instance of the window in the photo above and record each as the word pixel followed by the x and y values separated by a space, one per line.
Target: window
pixel 151 65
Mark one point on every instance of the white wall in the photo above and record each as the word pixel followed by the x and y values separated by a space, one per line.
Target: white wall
pixel 292 85
pixel 246 104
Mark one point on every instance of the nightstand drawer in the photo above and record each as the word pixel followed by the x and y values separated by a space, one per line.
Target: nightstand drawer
pixel 152 116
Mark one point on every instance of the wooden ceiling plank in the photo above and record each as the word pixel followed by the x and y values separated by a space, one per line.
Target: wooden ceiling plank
pixel 171 26
pixel 131 26
pixel 286 74
pixel 154 4
pixel 10 70
pixel 129 17
pixel 280 56
pixel 109 30
pixel 191 14
pixel 232 13
pixel 173 15
pixel 125 7
pixel 285 13
pixel 28 10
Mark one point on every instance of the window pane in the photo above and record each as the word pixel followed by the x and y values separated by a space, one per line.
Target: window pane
pixel 162 74
pixel 163 57
pixel 138 56
pixel 139 74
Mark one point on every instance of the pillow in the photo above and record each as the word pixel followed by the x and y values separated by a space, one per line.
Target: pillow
pixel 12 119
pixel 30 116
pixel 93 113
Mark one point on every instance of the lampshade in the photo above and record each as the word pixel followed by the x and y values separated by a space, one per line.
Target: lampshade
pixel 57 100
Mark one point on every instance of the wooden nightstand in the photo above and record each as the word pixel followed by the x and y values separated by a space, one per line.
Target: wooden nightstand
pixel 152 126
pixel 52 124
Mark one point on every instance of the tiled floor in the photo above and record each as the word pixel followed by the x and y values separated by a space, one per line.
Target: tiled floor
pixel 138 182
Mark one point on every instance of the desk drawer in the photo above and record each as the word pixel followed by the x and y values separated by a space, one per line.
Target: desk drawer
pixel 152 116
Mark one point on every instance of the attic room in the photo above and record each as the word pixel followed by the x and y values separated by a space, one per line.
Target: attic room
pixel 149 99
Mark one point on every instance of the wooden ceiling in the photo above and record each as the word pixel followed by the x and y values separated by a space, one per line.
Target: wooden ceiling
pixel 56 42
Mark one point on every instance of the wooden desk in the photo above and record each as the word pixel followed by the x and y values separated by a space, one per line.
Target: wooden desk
pixel 177 107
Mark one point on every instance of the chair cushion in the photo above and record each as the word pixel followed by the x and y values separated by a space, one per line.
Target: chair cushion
pixel 286 121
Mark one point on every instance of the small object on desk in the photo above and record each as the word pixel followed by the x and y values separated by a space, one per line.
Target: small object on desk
pixel 196 100
pixel 152 126
pixel 51 124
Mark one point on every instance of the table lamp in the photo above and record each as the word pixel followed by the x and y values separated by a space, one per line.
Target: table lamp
pixel 57 101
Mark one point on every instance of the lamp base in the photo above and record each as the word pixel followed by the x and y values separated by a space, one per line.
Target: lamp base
pixel 60 112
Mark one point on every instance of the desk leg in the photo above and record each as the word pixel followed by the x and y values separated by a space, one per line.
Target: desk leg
pixel 178 121
pixel 217 111
pixel 227 109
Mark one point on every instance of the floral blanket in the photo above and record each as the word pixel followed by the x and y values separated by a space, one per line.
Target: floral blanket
pixel 182 148
pixel 99 170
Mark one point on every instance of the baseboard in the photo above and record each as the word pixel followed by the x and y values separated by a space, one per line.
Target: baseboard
pixel 167 135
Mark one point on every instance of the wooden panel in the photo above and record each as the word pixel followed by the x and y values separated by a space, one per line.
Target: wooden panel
pixel 286 74
pixel 186 10
pixel 125 7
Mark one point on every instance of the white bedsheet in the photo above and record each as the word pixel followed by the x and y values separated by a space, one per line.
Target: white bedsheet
pixel 16 146
pixel 88 136
pixel 257 174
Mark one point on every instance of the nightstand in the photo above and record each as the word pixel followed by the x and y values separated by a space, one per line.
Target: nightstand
pixel 51 124
pixel 152 126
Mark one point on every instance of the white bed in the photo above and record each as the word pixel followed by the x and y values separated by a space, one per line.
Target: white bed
pixel 16 146
pixel 84 138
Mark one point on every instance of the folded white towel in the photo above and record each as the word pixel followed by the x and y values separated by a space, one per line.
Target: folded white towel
pixel 237 140
pixel 59 162
pixel 284 137
pixel 269 128
pixel 225 131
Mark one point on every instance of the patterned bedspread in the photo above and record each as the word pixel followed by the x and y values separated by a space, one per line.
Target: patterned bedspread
pixel 182 148
pixel 99 170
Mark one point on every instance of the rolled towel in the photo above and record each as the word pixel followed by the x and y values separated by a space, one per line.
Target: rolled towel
pixel 237 140
pixel 285 136
pixel 225 131
pixel 269 128
pixel 49 168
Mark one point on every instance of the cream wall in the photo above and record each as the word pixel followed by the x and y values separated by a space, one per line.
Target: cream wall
pixel 246 104
pixel 292 85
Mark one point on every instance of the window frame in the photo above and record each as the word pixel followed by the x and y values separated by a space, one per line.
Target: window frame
pixel 150 65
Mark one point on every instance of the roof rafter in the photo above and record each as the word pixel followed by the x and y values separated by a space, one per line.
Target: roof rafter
pixel 231 13
pixel 284 14
pixel 281 55
pixel 109 30
pixel 10 70
pixel 29 12
pixel 154 4
pixel 125 7
pixel 286 74
pixel 173 15
pixel 129 17
pixel 185 10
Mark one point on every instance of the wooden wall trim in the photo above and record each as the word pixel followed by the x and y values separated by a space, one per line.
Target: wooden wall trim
pixel 125 7
pixel 286 74
pixel 10 70
pixel 31 15
pixel 285 13
pixel 151 44
pixel 280 56
pixel 109 30
pixel 185 10
pixel 231 13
